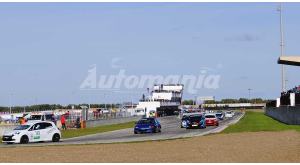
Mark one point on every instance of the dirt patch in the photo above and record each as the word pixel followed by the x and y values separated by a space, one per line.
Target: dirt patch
pixel 237 147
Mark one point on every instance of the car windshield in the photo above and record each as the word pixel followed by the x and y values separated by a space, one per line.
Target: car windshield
pixel 209 116
pixel 185 117
pixel 228 112
pixel 22 127
pixel 145 121
pixel 195 118
pixel 219 114
pixel 35 117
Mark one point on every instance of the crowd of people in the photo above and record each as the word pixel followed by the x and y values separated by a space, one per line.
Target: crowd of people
pixel 285 96
pixel 296 89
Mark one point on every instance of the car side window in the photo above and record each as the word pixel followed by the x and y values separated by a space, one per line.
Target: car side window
pixel 40 126
pixel 31 128
pixel 47 125
pixel 37 126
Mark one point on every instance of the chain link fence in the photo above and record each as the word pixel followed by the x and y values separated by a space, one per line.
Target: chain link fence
pixel 74 118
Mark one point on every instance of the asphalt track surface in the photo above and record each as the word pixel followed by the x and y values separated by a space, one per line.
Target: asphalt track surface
pixel 170 130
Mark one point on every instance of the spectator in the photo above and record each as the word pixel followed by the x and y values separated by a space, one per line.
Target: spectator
pixel 63 122
pixel 67 114
pixel 78 123
pixel 53 119
pixel 22 120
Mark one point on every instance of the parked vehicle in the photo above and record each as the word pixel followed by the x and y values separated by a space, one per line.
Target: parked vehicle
pixel 196 121
pixel 229 114
pixel 104 111
pixel 211 120
pixel 220 115
pixel 33 131
pixel 147 125
pixel 12 118
pixel 41 116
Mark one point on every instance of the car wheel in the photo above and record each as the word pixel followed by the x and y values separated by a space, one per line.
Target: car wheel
pixel 55 138
pixel 135 132
pixel 24 139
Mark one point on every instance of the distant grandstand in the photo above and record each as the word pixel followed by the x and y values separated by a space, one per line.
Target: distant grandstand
pixel 286 108
pixel 233 106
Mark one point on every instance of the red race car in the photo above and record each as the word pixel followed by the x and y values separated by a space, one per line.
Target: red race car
pixel 211 120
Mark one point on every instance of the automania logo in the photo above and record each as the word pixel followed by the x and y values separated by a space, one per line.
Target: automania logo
pixel 192 83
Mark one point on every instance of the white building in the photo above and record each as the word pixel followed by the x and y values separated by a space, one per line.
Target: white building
pixel 163 100
pixel 129 108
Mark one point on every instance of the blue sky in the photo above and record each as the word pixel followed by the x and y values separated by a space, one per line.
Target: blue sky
pixel 47 48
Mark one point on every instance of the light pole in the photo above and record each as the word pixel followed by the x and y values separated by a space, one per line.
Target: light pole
pixel 282 50
pixel 249 90
pixel 104 101
pixel 89 97
pixel 10 102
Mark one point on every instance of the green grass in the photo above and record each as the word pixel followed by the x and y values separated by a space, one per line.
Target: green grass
pixel 258 121
pixel 88 131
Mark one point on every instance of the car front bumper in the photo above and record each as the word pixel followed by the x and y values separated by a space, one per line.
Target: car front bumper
pixel 211 123
pixel 8 139
pixel 143 130
pixel 196 125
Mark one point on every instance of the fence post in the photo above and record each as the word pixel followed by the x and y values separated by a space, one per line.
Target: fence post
pixel 84 116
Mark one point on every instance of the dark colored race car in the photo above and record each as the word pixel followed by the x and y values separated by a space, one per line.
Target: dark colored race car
pixel 196 121
pixel 220 115
pixel 147 125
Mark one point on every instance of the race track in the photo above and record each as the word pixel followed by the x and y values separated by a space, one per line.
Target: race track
pixel 170 130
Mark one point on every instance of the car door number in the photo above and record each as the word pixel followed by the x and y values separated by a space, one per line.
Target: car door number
pixel 37 135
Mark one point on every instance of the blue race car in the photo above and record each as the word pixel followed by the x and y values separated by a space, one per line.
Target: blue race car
pixel 220 115
pixel 147 125
pixel 196 121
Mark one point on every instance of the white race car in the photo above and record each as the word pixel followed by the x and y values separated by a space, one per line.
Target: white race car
pixel 34 131
pixel 229 114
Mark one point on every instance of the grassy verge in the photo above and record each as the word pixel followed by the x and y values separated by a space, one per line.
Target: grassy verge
pixel 88 131
pixel 257 121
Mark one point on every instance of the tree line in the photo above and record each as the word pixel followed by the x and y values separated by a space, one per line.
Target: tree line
pixel 44 107
pixel 228 101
